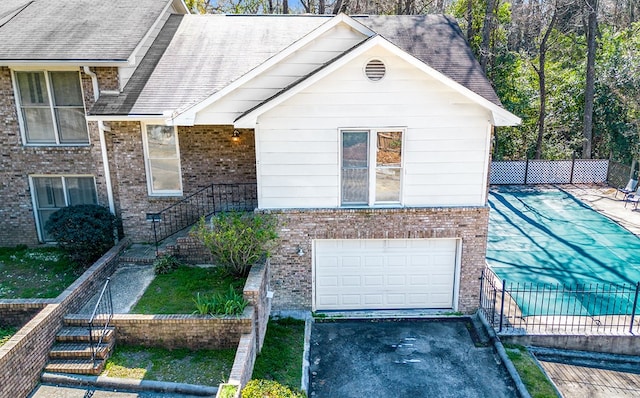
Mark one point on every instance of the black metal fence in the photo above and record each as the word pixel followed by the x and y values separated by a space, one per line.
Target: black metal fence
pixel 529 308
pixel 618 174
pixel 209 200
pixel 100 320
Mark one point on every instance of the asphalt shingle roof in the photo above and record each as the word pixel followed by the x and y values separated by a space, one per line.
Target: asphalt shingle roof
pixel 437 41
pixel 70 30
pixel 208 52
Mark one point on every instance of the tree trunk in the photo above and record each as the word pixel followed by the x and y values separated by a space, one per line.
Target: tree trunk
pixel 321 7
pixel 589 91
pixel 542 83
pixel 285 6
pixel 469 20
pixel 487 28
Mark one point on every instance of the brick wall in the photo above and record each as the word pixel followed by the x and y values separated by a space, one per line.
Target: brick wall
pixel 245 359
pixel 17 161
pixel 25 354
pixel 18 312
pixel 256 291
pixel 291 274
pixel 182 331
pixel 207 156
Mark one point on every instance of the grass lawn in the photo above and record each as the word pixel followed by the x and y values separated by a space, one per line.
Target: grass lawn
pixel 205 367
pixel 281 356
pixel 532 376
pixel 173 293
pixel 35 272
pixel 6 334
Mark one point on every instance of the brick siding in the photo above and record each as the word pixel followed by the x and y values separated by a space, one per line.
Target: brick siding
pixel 17 161
pixel 23 357
pixel 207 156
pixel 291 274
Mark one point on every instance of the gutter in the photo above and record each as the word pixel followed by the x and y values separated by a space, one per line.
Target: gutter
pixel 103 142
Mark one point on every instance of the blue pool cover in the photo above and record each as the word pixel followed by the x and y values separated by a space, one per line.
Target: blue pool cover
pixel 546 237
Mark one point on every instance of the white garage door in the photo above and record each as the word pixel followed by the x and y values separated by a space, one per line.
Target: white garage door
pixel 353 274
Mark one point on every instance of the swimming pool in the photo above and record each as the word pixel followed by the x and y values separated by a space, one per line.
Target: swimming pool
pixel 546 236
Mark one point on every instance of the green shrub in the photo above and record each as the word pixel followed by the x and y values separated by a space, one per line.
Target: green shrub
pixel 228 391
pixel 237 240
pixel 269 389
pixel 165 264
pixel 85 232
pixel 229 303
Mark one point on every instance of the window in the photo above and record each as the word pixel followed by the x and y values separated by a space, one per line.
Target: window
pixel 371 167
pixel 51 108
pixel 51 193
pixel 162 160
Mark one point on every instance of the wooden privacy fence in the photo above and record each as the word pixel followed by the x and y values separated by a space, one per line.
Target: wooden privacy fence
pixel 576 171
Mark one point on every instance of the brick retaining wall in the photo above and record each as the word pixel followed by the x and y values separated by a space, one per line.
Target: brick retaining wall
pixel 182 331
pixel 17 312
pixel 23 357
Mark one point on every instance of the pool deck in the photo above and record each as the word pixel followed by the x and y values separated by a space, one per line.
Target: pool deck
pixel 603 200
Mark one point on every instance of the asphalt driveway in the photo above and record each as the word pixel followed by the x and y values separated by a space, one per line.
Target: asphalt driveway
pixel 407 358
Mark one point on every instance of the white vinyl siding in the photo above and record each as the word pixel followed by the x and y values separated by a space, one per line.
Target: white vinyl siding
pixel 378 274
pixel 51 107
pixel 445 148
pixel 162 160
pixel 52 193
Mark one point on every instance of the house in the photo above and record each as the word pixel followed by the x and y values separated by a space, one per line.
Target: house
pixel 367 137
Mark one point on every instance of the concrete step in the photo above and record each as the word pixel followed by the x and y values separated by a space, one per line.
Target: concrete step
pixel 76 366
pixel 81 334
pixel 80 350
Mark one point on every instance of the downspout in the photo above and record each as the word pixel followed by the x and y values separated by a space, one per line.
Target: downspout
pixel 103 142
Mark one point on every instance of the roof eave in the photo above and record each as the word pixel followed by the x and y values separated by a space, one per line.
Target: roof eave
pixel 500 116
pixel 62 62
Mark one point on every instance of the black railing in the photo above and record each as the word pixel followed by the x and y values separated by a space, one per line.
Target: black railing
pixel 100 320
pixel 213 199
pixel 526 308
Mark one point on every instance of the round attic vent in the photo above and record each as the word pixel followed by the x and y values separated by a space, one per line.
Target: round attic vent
pixel 375 70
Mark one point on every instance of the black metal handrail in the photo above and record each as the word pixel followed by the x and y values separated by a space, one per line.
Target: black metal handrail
pixel 100 320
pixel 209 200
pixel 594 308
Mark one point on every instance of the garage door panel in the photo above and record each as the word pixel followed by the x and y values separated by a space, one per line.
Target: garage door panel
pixel 379 274
pixel 374 281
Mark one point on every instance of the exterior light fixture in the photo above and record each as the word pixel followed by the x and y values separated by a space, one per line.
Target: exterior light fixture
pixel 235 137
pixel 300 251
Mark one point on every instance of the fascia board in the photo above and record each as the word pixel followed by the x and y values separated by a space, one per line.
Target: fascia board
pixel 156 119
pixel 132 57
pixel 60 63
pixel 499 114
pixel 297 45
pixel 181 6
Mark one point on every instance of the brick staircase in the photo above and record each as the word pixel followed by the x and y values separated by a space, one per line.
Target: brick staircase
pixel 71 352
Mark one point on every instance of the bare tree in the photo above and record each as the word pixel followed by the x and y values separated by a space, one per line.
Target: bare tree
pixel 591 8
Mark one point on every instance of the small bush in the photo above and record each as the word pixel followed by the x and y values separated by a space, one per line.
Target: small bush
pixel 85 232
pixel 237 240
pixel 228 391
pixel 229 303
pixel 165 264
pixel 269 389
